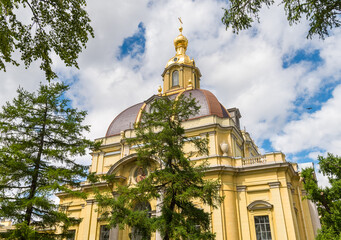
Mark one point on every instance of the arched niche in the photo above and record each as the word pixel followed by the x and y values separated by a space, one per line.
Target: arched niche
pixel 129 172
pixel 259 205
pixel 122 161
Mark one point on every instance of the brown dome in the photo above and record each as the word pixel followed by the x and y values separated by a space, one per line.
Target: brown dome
pixel 209 105
pixel 124 120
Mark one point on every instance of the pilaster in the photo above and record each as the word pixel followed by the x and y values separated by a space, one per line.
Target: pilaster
pixel 94 162
pixel 290 215
pixel 217 223
pixel 181 77
pixel 93 220
pixel 229 211
pixel 86 223
pixel 212 143
pixel 244 218
pixel 278 210
pixel 100 163
pixel 166 82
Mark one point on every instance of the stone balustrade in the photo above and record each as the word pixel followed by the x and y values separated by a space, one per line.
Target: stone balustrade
pixel 264 159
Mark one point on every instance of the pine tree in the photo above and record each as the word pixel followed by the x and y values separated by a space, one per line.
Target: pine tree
pixel 327 199
pixel 40 136
pixel 176 182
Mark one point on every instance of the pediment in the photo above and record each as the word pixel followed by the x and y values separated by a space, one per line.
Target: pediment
pixel 259 205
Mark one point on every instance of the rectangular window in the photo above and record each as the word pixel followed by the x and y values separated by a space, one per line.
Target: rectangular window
pixel 104 232
pixel 262 225
pixel 71 235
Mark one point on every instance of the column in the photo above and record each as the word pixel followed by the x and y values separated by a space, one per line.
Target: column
pixel 114 231
pixel 113 235
pixel 157 214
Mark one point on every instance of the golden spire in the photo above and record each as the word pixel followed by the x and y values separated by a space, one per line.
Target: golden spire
pixel 180 44
pixel 180 73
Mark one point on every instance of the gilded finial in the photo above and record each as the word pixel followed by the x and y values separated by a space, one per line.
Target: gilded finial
pixel 180 44
pixel 159 89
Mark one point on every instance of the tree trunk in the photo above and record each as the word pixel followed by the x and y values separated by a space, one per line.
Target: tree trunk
pixel 171 208
pixel 29 208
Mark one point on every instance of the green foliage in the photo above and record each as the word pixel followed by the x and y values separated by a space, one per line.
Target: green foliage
pixel 40 134
pixel 322 15
pixel 174 181
pixel 327 199
pixel 39 28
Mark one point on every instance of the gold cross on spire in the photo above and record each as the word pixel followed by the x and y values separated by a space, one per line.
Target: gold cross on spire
pixel 180 20
pixel 180 28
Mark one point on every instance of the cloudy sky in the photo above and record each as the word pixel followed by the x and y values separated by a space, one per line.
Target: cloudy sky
pixel 287 87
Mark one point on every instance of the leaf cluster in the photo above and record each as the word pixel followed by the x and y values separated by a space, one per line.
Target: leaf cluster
pixel 53 26
pixel 327 199
pixel 40 134
pixel 322 15
pixel 175 182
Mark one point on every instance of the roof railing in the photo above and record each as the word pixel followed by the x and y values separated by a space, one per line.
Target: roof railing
pixel 261 159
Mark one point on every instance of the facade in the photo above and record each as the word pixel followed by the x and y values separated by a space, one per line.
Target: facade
pixel 263 193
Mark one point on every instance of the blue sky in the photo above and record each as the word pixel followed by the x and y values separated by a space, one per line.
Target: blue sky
pixel 287 87
pixel 133 46
pixel 300 55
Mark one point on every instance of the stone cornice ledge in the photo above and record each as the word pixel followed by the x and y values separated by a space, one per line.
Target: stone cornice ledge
pixel 250 168
pixel 274 184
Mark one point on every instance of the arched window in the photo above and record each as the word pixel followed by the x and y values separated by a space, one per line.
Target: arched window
pixel 175 78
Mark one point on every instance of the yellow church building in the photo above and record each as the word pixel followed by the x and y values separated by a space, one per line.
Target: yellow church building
pixel 263 194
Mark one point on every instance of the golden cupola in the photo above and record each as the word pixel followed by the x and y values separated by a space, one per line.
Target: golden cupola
pixel 180 72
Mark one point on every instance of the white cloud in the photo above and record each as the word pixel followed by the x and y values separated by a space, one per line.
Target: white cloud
pixel 319 130
pixel 322 180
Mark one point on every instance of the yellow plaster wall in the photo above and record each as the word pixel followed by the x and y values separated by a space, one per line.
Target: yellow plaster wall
pixel 240 185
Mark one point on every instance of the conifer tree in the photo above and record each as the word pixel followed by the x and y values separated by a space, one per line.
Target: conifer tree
pixel 176 183
pixel 40 136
